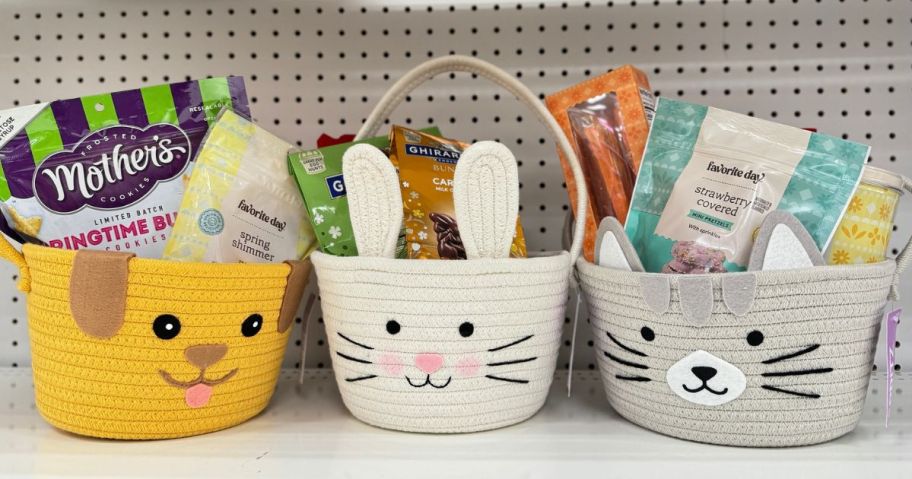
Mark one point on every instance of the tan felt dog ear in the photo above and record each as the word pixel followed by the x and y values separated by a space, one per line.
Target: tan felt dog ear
pixel 98 291
pixel 294 290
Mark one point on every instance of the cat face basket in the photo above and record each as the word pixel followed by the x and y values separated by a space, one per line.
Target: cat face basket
pixel 776 356
pixel 444 346
pixel 129 348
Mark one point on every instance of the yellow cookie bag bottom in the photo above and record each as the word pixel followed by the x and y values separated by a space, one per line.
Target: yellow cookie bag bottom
pixel 129 348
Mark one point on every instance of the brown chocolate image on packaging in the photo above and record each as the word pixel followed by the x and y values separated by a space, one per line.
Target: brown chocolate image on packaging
pixel 449 243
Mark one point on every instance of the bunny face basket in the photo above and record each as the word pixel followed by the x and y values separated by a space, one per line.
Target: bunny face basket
pixel 770 357
pixel 129 348
pixel 444 346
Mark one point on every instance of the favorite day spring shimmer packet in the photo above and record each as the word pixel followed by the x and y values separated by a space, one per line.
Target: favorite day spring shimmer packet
pixel 240 204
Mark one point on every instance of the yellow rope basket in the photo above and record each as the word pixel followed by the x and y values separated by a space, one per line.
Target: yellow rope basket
pixel 131 348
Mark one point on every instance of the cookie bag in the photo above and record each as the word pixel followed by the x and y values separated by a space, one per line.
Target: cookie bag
pixel 107 171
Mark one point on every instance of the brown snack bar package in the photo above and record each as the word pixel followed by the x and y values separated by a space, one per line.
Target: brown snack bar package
pixel 426 165
pixel 607 120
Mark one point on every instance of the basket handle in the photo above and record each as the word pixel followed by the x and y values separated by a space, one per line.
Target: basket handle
pixel 453 63
pixel 11 254
pixel 905 257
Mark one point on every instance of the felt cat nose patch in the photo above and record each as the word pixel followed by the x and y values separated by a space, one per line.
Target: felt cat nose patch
pixel 702 378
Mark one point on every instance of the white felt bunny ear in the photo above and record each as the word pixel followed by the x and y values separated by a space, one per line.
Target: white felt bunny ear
pixel 613 249
pixel 486 197
pixel 374 201
pixel 783 243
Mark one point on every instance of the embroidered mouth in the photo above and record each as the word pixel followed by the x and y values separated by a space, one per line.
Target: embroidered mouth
pixel 705 387
pixel 197 392
pixel 428 382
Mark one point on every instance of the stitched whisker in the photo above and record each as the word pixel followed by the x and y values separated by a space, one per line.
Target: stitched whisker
pixel 353 341
pixel 800 372
pixel 514 361
pixel 362 378
pixel 633 378
pixel 624 362
pixel 514 343
pixel 509 380
pixel 793 393
pixel 345 356
pixel 804 351
pixel 625 347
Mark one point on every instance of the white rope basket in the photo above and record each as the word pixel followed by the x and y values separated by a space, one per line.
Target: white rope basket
pixel 445 346
pixel 785 356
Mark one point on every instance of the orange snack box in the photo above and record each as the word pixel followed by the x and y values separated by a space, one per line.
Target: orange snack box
pixel 607 120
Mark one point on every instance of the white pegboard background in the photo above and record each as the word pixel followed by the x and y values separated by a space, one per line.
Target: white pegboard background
pixel 844 67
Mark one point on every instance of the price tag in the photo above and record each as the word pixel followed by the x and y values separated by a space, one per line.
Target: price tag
pixel 892 324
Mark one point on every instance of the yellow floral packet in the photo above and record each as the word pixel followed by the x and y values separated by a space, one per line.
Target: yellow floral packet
pixel 863 235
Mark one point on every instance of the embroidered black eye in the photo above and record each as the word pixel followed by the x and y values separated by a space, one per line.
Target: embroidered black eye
pixel 466 329
pixel 166 326
pixel 755 338
pixel 252 325
pixel 392 327
pixel 647 333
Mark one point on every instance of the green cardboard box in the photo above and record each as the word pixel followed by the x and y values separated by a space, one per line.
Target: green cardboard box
pixel 318 173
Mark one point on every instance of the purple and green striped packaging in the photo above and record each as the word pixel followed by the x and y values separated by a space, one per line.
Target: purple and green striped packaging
pixel 106 171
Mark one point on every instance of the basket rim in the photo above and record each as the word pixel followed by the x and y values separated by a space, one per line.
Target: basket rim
pixel 880 269
pixel 543 262
pixel 34 253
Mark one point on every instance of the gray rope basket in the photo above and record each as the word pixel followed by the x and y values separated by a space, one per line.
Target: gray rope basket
pixel 800 343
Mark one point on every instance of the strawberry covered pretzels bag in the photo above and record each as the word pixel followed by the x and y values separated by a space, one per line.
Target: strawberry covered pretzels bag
pixel 709 177
pixel 106 172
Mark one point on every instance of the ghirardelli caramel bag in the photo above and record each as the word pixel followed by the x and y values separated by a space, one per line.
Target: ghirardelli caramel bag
pixel 107 171
pixel 427 164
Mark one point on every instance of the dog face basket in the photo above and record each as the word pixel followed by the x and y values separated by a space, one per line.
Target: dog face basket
pixel 770 357
pixel 444 346
pixel 130 348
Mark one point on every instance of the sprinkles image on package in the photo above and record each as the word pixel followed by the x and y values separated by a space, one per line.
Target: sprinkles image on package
pixel 444 346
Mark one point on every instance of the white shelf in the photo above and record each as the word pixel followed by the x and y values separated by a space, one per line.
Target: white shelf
pixel 306 432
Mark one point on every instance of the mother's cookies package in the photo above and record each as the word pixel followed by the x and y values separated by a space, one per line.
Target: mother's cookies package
pixel 106 171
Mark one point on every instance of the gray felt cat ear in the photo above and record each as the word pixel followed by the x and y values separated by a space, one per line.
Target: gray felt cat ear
pixel 486 198
pixel 613 249
pixel 783 243
pixel 374 201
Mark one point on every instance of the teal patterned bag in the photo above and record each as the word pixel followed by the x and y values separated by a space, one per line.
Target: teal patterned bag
pixel 709 177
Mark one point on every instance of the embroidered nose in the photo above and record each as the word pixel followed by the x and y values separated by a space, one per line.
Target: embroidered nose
pixel 205 355
pixel 705 373
pixel 429 362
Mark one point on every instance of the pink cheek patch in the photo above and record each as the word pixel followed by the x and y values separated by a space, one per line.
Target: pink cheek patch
pixel 467 367
pixel 391 363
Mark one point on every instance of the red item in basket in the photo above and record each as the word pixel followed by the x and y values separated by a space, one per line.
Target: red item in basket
pixel 326 140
